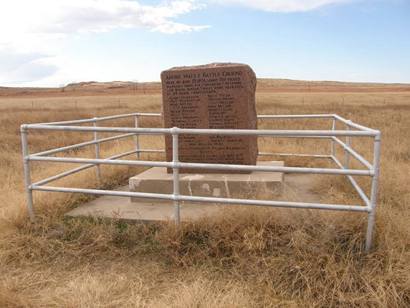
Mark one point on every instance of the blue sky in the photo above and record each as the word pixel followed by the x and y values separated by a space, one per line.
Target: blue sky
pixel 54 42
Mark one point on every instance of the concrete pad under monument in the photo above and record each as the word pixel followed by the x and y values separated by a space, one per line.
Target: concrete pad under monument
pixel 257 184
pixel 113 207
pixel 296 187
pixel 263 185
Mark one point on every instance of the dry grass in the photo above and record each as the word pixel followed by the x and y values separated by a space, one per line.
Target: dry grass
pixel 244 258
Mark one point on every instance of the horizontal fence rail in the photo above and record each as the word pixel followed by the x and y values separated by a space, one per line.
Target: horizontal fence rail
pixel 303 205
pixel 352 130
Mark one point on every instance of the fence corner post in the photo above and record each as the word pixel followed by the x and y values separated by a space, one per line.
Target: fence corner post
pixel 374 192
pixel 27 176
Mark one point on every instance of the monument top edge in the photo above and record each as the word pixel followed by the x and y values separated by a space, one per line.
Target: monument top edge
pixel 209 66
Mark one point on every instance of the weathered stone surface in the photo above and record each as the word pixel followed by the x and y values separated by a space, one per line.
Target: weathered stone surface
pixel 215 96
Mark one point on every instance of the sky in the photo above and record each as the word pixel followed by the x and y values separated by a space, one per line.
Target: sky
pixel 56 42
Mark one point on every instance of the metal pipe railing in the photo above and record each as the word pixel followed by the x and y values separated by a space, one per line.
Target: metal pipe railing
pixel 296 155
pixel 137 137
pixel 332 144
pixel 107 118
pixel 145 114
pixel 354 125
pixel 223 132
pixel 78 169
pixel 97 152
pixel 175 172
pixel 348 150
pixel 295 116
pixel 230 167
pixel 27 175
pixel 333 134
pixel 173 197
pixel 374 192
pixel 356 186
pixel 83 144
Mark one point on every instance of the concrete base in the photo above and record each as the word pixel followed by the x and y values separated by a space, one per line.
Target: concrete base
pixel 260 185
pixel 297 187
pixel 122 208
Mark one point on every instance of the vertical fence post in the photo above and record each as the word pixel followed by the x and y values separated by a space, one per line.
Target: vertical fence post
pixel 97 151
pixel 175 171
pixel 27 176
pixel 374 191
pixel 332 144
pixel 347 154
pixel 137 138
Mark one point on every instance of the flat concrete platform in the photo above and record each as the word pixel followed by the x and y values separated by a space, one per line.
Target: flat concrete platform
pixel 123 208
pixel 296 187
pixel 258 184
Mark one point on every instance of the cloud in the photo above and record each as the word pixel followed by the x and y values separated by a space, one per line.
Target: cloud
pixel 59 17
pixel 23 67
pixel 39 25
pixel 31 29
pixel 284 6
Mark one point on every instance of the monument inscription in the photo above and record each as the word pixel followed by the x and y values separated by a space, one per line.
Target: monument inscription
pixel 216 96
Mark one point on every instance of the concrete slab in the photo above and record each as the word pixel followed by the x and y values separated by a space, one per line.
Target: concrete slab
pixel 262 185
pixel 123 208
pixel 297 187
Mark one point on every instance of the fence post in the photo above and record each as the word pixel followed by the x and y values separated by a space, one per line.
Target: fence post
pixel 175 171
pixel 97 151
pixel 27 176
pixel 137 138
pixel 374 191
pixel 347 154
pixel 333 147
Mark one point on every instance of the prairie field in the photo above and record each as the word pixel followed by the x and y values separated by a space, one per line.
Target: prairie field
pixel 244 257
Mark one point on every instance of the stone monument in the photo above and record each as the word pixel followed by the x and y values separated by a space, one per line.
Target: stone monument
pixel 215 96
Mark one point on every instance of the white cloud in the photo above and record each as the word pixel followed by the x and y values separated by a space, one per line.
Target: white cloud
pixel 76 16
pixel 23 67
pixel 284 6
pixel 29 28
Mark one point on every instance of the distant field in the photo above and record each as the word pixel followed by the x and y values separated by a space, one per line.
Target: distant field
pixel 246 258
pixel 264 85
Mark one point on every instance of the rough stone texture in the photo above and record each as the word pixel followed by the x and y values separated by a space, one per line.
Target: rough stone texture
pixel 256 185
pixel 213 96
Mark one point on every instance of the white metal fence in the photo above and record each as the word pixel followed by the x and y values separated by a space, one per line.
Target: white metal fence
pixel 370 169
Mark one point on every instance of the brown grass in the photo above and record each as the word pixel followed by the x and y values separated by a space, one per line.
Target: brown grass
pixel 246 257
